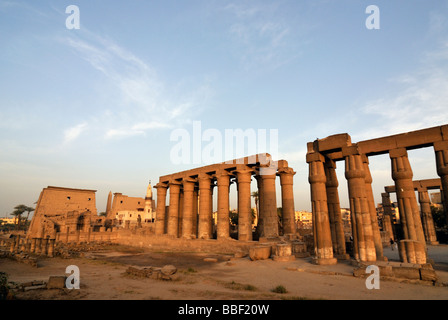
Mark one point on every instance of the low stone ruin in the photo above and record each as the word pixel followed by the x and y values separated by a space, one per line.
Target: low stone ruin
pixel 167 272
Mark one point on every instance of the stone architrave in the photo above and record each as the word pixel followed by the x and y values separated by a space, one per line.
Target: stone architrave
pixel 372 209
pixel 323 247
pixel 334 210
pixel 415 246
pixel 288 211
pixel 441 150
pixel 173 211
pixel 205 215
pixel 223 224
pixel 187 216
pixel 427 219
pixel 269 227
pixel 387 215
pixel 161 208
pixel 244 177
pixel 359 204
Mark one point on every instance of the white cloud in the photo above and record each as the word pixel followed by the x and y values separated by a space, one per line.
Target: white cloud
pixel 139 101
pixel 73 133
pixel 260 38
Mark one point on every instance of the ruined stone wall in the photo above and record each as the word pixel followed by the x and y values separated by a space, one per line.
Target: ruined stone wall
pixel 58 207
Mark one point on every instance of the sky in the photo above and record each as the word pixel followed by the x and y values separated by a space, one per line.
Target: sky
pixel 95 107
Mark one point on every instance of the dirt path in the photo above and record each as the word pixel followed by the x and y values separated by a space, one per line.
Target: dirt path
pixel 103 278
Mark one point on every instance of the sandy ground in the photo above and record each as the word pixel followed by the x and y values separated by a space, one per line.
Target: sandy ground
pixel 103 277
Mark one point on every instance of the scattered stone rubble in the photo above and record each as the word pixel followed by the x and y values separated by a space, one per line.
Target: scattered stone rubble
pixel 403 272
pixel 167 272
pixel 280 249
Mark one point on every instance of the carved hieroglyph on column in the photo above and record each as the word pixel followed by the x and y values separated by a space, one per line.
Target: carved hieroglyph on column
pixel 173 211
pixel 413 247
pixel 244 202
pixel 161 205
pixel 223 226
pixel 372 209
pixel 359 205
pixel 323 247
pixel 205 214
pixel 334 211
pixel 441 150
pixel 427 219
pixel 387 215
pixel 288 211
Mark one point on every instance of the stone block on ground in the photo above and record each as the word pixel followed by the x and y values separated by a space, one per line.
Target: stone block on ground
pixel 168 270
pixel 428 275
pixel 56 282
pixel 260 253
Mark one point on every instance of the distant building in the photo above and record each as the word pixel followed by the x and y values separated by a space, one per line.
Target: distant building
pixel 8 220
pixel 64 210
pixel 126 211
pixel 304 219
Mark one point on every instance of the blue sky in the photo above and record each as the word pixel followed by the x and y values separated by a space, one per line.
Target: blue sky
pixel 94 107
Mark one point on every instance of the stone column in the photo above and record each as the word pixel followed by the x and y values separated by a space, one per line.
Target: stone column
pixel 441 150
pixel 414 239
pixel 187 217
pixel 372 209
pixel 50 248
pixel 269 227
pixel 387 215
pixel 244 177
pixel 212 222
pixel 205 214
pixel 38 248
pixel 195 210
pixel 173 211
pixel 161 207
pixel 223 227
pixel 427 219
pixel 44 250
pixel 288 211
pixel 260 208
pixel 323 247
pixel 334 211
pixel 33 245
pixel 181 212
pixel 359 205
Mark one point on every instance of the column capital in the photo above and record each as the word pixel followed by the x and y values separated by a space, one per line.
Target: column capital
pixel 223 178
pixel 243 175
pixel 397 153
pixel 161 185
pixel 423 196
pixel 314 156
pixel 350 150
pixel 441 145
pixel 188 184
pixel 286 171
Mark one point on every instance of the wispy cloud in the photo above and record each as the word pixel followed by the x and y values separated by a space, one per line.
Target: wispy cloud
pixel 420 99
pixel 139 100
pixel 259 36
pixel 73 133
